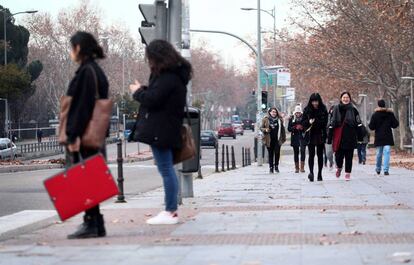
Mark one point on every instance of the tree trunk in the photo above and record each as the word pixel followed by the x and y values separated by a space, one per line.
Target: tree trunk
pixel 403 129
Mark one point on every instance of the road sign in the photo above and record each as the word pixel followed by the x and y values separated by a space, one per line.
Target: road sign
pixel 283 77
pixel 290 94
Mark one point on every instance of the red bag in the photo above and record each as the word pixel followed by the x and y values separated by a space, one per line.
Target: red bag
pixel 337 137
pixel 81 187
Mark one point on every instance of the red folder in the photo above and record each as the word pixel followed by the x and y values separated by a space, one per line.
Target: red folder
pixel 81 187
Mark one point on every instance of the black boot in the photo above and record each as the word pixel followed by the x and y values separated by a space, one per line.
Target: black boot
pixel 310 177
pixel 277 169
pixel 89 228
pixel 271 170
pixel 320 177
pixel 101 226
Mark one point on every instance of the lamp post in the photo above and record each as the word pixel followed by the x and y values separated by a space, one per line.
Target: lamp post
pixel 411 78
pixel 5 18
pixel 364 96
pixel 272 13
pixel 6 116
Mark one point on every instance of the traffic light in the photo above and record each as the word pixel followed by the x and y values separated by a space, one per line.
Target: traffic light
pixel 264 100
pixel 155 24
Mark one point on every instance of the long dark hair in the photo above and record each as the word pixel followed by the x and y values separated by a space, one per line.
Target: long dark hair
pixel 273 108
pixel 345 93
pixel 89 47
pixel 315 97
pixel 162 56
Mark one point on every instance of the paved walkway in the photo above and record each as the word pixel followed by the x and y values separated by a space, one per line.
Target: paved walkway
pixel 247 217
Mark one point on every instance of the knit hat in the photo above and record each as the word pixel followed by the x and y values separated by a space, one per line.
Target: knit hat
pixel 298 108
pixel 381 103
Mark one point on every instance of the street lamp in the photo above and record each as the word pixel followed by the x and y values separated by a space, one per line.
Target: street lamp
pixel 364 96
pixel 5 18
pixel 6 116
pixel 411 78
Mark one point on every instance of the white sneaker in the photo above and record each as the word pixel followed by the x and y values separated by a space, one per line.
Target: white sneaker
pixel 164 218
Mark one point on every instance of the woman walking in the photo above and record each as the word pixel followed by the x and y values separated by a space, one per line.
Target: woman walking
pixel 328 147
pixel 89 82
pixel 274 137
pixel 295 127
pixel 344 133
pixel 314 123
pixel 162 109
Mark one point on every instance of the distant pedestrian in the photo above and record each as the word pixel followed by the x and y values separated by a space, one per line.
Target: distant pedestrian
pixel 295 127
pixel 362 146
pixel 274 136
pixel 88 83
pixel 315 121
pixel 328 147
pixel 39 135
pixel 382 122
pixel 344 133
pixel 162 108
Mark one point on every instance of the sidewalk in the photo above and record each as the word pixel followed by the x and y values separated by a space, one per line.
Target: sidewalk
pixel 246 217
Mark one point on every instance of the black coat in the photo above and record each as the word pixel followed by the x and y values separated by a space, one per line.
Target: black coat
pixel 82 88
pixel 162 107
pixel 318 128
pixel 294 125
pixel 351 134
pixel 382 122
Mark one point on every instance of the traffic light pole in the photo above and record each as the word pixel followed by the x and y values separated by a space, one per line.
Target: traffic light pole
pixel 259 89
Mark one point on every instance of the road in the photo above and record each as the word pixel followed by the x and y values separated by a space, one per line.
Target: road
pixel 24 190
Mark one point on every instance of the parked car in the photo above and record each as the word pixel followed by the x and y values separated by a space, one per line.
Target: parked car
pixel 238 126
pixel 226 129
pixel 208 138
pixel 7 148
pixel 248 125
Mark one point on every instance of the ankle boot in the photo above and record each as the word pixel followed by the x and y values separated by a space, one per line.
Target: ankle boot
pixel 310 177
pixel 88 229
pixel 277 169
pixel 302 166
pixel 101 226
pixel 271 170
pixel 320 177
pixel 296 167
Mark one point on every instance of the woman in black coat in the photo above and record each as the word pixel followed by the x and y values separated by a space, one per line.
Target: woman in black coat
pixel 161 113
pixel 295 127
pixel 345 115
pixel 82 89
pixel 315 119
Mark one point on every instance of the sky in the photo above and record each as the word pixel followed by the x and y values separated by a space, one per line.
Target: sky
pixel 224 15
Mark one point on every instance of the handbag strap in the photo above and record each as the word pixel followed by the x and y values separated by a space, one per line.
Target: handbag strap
pixel 96 81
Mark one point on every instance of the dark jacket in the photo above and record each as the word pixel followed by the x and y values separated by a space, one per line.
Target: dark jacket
pixel 162 107
pixel 295 127
pixel 317 130
pixel 82 89
pixel 382 122
pixel 351 133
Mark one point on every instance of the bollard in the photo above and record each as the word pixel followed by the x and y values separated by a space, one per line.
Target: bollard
pixel 121 197
pixel 243 165
pixel 233 158
pixel 227 157
pixel 222 159
pixel 217 159
pixel 249 161
pixel 245 157
pixel 199 175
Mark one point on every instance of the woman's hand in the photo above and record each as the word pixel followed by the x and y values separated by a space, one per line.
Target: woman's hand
pixel 74 147
pixel 134 87
pixel 311 121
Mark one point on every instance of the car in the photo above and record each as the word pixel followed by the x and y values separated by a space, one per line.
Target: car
pixel 208 138
pixel 238 127
pixel 226 130
pixel 7 148
pixel 248 124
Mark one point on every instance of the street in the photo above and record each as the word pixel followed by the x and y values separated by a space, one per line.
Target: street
pixel 24 190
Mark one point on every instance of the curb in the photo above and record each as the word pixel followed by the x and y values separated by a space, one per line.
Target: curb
pixel 23 168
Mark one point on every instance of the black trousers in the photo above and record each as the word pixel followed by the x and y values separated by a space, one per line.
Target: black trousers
pixel 274 155
pixel 319 152
pixel 302 149
pixel 74 158
pixel 346 154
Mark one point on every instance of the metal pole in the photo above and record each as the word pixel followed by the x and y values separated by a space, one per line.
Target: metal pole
pixel 222 159
pixel 365 111
pixel 412 117
pixel 227 157
pixel 259 89
pixel 121 197
pixel 5 37
pixel 274 54
pixel 243 164
pixel 217 159
pixel 125 140
pixel 233 158
pixel 174 23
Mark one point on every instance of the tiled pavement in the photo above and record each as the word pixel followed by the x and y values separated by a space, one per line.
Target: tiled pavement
pixel 247 217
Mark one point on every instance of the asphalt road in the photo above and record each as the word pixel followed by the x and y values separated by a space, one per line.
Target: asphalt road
pixel 24 190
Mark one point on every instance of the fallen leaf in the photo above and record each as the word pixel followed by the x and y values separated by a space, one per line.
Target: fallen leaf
pixel 115 221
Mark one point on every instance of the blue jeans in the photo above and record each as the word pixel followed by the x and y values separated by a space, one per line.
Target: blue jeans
pixel 383 151
pixel 164 159
pixel 362 153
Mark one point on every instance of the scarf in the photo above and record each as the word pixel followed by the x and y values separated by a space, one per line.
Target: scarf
pixel 349 115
